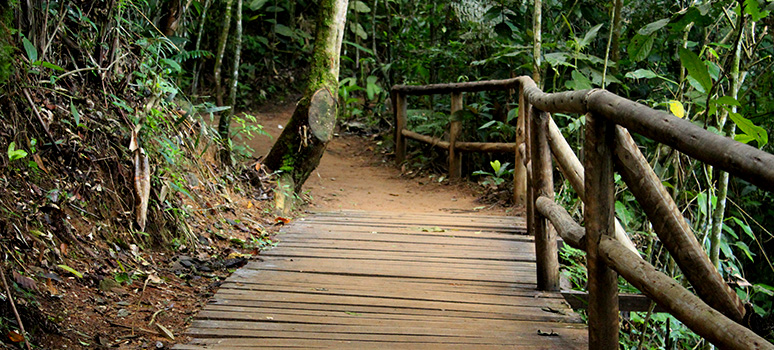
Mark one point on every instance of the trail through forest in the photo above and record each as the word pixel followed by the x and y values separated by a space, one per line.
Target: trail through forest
pixel 355 175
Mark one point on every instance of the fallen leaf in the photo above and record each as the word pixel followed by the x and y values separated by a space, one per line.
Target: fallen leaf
pixel 15 337
pixel 70 270
pixel 249 204
pixel 51 288
pixel 281 220
pixel 258 166
pixel 165 332
pixel 26 282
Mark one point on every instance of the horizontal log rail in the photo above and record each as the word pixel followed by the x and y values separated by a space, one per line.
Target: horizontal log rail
pixel 476 86
pixel 670 295
pixel 715 312
pixel 454 146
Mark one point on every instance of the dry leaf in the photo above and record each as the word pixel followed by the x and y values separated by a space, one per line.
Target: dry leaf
pixel 281 220
pixel 166 332
pixel 258 167
pixel 15 337
pixel 51 288
pixel 26 282
pixel 249 204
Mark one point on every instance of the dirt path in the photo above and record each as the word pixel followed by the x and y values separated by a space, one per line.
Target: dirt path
pixel 353 175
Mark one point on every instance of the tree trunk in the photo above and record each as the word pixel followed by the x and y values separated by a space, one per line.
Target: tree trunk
pixel 173 12
pixel 225 119
pixel 301 145
pixel 221 52
pixel 198 64
pixel 537 25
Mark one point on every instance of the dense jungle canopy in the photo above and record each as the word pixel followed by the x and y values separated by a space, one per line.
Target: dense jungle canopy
pixel 108 105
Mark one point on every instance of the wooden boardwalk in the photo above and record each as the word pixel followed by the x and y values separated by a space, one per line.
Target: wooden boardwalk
pixel 363 280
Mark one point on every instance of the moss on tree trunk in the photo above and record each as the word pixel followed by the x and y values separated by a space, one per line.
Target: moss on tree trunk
pixel 302 143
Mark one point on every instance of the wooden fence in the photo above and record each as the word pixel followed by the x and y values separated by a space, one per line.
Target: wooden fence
pixel 715 312
pixel 453 145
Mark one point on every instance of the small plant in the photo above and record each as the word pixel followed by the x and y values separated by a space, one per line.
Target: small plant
pixel 15 154
pixel 497 177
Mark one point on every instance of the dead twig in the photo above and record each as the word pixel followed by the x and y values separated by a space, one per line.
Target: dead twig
pixel 40 119
pixel 13 307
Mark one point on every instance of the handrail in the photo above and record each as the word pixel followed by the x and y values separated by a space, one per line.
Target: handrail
pixel 716 311
pixel 608 143
pixel 454 146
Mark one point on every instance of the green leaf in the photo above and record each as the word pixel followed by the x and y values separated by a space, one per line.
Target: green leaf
pixel 590 35
pixel 284 30
pixel 642 74
pixel 758 133
pixel 640 46
pixel 751 8
pixel 371 87
pixel 14 154
pixel 361 7
pixel 32 52
pixel 652 27
pixel 744 248
pixel 488 124
pixel 48 65
pixel 359 47
pixel 696 68
pixel 76 115
pixel 256 5
pixel 359 31
pixel 495 165
pixel 71 270
pixel 727 101
pixel 172 65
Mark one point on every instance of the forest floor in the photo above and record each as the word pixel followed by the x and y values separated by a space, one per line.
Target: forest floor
pixel 146 298
pixel 356 174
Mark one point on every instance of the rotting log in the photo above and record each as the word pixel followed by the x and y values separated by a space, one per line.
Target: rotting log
pixel 678 301
pixel 600 211
pixel 433 141
pixel 546 251
pixel 400 109
pixel 455 130
pixel 302 143
pixel 476 86
pixel 519 171
pixel 572 233
pixel 739 159
pixel 572 169
pixel 671 227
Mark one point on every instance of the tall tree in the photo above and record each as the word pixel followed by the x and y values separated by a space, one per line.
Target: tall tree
pixel 221 52
pixel 225 119
pixel 299 148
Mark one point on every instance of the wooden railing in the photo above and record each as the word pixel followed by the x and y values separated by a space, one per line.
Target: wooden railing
pixel 715 312
pixel 453 145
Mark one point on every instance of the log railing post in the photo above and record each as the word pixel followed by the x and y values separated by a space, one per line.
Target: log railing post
pixel 600 211
pixel 547 258
pixel 455 130
pixel 519 171
pixel 401 110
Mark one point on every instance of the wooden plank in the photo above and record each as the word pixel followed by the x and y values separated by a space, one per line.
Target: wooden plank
pixel 342 283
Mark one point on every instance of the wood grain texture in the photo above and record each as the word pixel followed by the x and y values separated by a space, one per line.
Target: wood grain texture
pixel 359 280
